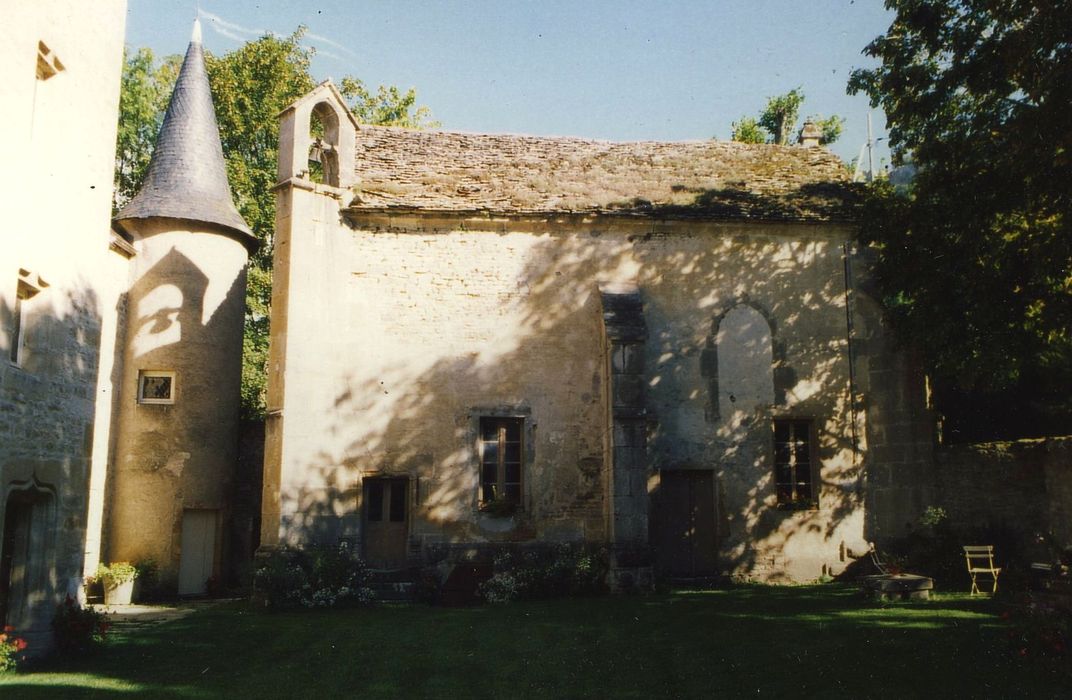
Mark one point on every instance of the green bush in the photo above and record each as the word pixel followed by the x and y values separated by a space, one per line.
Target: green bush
pixel 78 629
pixel 547 572
pixel 934 548
pixel 317 577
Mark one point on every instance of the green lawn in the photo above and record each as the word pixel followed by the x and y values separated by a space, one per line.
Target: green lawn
pixel 757 641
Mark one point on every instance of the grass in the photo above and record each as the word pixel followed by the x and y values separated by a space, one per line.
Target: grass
pixel 758 641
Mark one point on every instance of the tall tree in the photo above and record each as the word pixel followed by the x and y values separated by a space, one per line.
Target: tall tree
pixel 778 122
pixel 976 258
pixel 250 86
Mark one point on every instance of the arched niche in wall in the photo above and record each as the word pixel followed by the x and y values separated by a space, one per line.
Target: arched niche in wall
pixel 745 355
pixel 738 362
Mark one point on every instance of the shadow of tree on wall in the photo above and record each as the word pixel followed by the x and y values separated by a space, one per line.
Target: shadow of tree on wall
pixel 171 457
pixel 47 404
pixel 535 341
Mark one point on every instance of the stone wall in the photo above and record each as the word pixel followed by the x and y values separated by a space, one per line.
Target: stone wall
pixel 401 329
pixel 54 254
pixel 1023 488
pixel 898 436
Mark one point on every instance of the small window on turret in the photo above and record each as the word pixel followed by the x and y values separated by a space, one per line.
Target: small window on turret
pixel 156 387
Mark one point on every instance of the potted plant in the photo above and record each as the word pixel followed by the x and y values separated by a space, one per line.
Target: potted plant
pixel 499 507
pixel 118 579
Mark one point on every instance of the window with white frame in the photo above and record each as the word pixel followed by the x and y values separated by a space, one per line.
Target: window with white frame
pixel 156 387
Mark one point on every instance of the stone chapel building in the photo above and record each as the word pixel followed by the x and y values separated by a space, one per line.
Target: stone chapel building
pixel 477 342
pixel 481 341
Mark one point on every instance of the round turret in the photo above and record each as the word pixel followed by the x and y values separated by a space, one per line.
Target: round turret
pixel 176 441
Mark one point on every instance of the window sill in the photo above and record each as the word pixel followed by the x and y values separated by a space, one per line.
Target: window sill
pixel 798 506
pixel 499 509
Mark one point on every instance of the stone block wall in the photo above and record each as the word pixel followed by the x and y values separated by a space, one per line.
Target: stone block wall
pixel 56 239
pixel 402 329
pixel 898 437
pixel 1022 487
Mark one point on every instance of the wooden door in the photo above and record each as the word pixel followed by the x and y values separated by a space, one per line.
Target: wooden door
pixel 386 505
pixel 686 542
pixel 198 554
pixel 15 548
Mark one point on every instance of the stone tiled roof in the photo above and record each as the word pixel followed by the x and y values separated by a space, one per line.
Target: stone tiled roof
pixel 187 177
pixel 401 169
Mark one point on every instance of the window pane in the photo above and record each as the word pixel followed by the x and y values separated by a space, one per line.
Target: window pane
pixel 489 474
pixel 513 473
pixel 785 494
pixel 398 501
pixel 802 444
pixel 513 493
pixel 156 387
pixel 513 429
pixel 781 453
pixel 783 475
pixel 513 452
pixel 491 453
pixel 374 500
pixel 489 429
pixel 487 492
pixel 781 431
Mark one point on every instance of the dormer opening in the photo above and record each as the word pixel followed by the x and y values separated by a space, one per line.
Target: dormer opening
pixel 323 160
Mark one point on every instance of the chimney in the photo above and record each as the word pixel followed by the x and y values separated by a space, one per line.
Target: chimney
pixel 810 134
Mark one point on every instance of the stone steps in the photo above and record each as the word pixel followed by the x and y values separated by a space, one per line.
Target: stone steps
pixel 394 585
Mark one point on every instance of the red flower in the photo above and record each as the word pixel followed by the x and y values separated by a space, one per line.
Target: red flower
pixel 9 628
pixel 20 644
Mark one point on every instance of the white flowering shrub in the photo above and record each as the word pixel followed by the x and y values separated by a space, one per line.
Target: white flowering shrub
pixel 546 572
pixel 319 577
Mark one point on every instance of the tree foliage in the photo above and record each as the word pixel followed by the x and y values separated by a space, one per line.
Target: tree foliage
pixel 748 130
pixel 975 259
pixel 780 116
pixel 143 97
pixel 778 122
pixel 388 106
pixel 250 86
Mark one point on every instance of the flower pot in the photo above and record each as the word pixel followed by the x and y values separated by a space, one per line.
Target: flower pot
pixel 118 593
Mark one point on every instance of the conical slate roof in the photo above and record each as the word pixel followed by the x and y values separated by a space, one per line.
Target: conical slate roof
pixel 187 177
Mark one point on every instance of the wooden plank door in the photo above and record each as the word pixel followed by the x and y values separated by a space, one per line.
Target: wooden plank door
pixel 198 554
pixel 685 540
pixel 386 506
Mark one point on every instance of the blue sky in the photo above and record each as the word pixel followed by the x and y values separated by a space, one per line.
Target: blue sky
pixel 620 70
